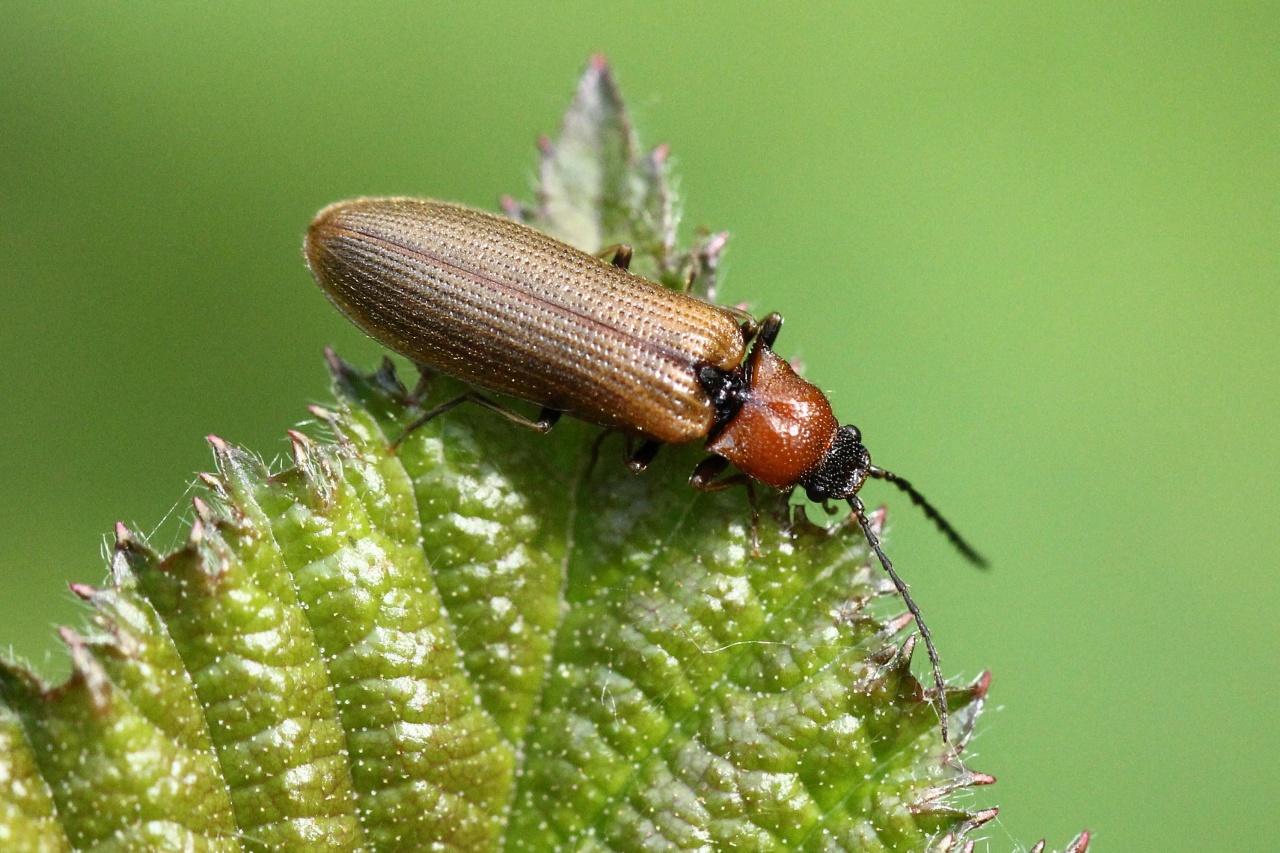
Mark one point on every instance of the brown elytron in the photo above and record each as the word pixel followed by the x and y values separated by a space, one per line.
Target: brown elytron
pixel 504 307
pixel 508 309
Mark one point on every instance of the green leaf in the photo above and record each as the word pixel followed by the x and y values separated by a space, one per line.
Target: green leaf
pixel 489 640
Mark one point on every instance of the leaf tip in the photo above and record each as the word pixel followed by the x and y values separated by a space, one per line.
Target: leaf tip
pixel 214 483
pixel 900 665
pixel 334 360
pixel 126 556
pixel 343 373
pixel 124 537
pixel 1079 844
pixel 86 672
pixel 301 444
pixel 204 512
pixel 597 82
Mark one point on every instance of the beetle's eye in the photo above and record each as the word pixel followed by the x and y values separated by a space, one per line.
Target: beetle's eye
pixel 857 433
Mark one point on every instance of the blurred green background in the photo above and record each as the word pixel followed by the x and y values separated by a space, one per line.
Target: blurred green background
pixel 1032 249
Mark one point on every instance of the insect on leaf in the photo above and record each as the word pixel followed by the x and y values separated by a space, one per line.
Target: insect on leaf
pixel 489 640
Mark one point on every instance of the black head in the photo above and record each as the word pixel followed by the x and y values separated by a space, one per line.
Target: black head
pixel 842 471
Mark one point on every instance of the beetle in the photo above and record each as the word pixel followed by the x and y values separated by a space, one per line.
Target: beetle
pixel 510 310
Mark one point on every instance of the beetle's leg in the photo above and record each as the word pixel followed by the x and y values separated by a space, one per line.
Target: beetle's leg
pixel 546 418
pixel 704 480
pixel 429 415
pixel 621 255
pixel 769 328
pixel 708 469
pixel 640 459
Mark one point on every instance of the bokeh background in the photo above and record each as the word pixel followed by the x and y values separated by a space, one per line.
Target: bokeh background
pixel 1032 249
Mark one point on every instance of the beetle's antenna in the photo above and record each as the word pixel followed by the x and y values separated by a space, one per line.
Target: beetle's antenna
pixel 932 514
pixel 856 504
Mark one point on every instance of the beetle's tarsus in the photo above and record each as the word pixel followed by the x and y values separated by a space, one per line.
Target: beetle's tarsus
pixel 547 418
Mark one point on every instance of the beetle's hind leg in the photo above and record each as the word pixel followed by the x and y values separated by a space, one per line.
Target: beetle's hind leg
pixel 546 418
pixel 704 480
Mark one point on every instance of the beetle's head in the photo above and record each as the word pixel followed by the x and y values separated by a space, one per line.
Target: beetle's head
pixel 841 471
